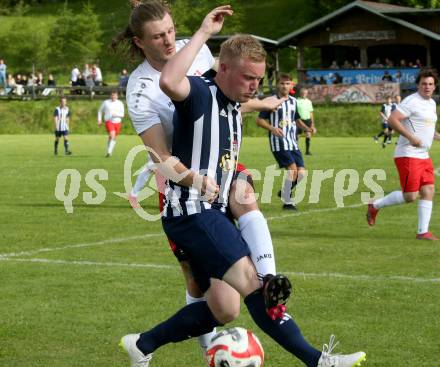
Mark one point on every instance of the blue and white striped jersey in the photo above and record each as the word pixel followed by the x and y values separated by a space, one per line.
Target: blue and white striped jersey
pixel 284 118
pixel 206 139
pixel 62 115
pixel 386 109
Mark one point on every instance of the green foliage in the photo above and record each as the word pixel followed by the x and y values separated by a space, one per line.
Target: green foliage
pixel 24 43
pixel 189 21
pixel 75 38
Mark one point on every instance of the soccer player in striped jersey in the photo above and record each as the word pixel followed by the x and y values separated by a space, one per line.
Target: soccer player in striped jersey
pixel 208 116
pixel 385 112
pixel 150 34
pixel 415 120
pixel 61 117
pixel 282 125
pixel 113 110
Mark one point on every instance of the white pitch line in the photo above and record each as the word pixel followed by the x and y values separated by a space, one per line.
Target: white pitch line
pixel 313 211
pixel 80 245
pixel 125 239
pixel 368 278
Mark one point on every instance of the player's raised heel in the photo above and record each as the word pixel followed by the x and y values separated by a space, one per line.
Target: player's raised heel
pixel 276 291
pixel 328 359
pixel 137 358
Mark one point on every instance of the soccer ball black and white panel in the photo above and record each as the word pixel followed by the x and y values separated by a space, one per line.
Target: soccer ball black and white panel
pixel 235 347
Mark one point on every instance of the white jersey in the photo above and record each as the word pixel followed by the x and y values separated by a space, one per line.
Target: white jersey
pixel 113 111
pixel 147 104
pixel 421 118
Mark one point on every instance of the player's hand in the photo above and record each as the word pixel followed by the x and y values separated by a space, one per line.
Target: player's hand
pixel 415 141
pixel 99 123
pixel 276 131
pixel 213 22
pixel 210 189
pixel 273 102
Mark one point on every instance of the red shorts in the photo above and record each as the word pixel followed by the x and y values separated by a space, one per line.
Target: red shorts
pixel 414 173
pixel 111 126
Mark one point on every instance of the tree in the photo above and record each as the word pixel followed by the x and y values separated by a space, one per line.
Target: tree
pixel 75 38
pixel 24 44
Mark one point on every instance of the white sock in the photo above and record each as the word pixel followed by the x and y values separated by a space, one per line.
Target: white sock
pixel 393 198
pixel 424 210
pixel 204 339
pixel 141 181
pixel 286 191
pixel 254 230
pixel 111 146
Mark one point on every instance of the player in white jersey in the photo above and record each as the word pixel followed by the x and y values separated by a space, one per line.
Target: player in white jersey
pixel 415 120
pixel 113 110
pixel 61 117
pixel 151 35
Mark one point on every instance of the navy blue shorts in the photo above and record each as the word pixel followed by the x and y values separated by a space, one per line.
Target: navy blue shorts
pixel 285 158
pixel 299 131
pixel 59 134
pixel 384 125
pixel 210 241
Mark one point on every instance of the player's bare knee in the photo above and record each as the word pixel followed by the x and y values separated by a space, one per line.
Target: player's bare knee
pixel 223 301
pixel 242 198
pixel 410 196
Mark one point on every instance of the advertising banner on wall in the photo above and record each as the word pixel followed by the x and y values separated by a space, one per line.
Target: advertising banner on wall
pixel 358 93
pixel 361 76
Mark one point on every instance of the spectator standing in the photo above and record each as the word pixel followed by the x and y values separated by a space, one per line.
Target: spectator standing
pixel 123 79
pixel 87 71
pixel 3 69
pixel 74 76
pixel 97 75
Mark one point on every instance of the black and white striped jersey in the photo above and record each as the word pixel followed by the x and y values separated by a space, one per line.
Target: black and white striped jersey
pixel 62 115
pixel 206 139
pixel 283 117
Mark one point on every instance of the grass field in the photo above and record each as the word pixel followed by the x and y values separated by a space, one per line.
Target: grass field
pixel 73 284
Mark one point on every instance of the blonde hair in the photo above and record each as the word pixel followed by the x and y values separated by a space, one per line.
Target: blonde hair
pixel 242 46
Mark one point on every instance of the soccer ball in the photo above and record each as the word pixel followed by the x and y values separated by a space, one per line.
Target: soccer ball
pixel 235 347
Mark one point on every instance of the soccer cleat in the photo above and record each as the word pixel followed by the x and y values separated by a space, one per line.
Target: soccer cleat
pixel 133 201
pixel 427 236
pixel 68 152
pixel 389 141
pixel 137 358
pixel 371 215
pixel 276 291
pixel 289 207
pixel 376 139
pixel 339 360
pixel 308 153
pixel 384 145
pixel 108 155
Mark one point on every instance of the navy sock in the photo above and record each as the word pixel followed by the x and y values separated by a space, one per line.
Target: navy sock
pixel 56 146
pixel 66 145
pixel 284 331
pixel 380 134
pixel 307 145
pixel 192 320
